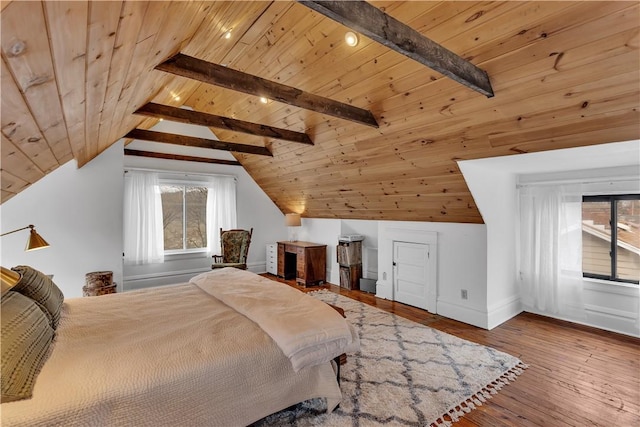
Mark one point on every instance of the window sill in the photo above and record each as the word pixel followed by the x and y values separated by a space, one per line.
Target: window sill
pixel 610 286
pixel 186 255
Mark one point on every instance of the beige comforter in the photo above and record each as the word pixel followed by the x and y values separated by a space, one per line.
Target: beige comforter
pixel 307 330
pixel 165 356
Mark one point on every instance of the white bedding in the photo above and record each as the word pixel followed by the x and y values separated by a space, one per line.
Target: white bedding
pixel 307 330
pixel 173 355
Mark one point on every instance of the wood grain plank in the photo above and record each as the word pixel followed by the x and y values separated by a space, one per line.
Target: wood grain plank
pixel 66 25
pixel 101 31
pixel 28 57
pixel 5 195
pixel 11 183
pixel 129 27
pixel 17 163
pixel 152 24
pixel 18 125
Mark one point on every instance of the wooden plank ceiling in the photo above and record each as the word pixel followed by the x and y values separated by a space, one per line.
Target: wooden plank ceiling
pixel 564 74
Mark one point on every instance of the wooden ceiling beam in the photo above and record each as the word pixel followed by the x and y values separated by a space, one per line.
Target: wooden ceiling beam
pixel 207 72
pixel 154 155
pixel 211 120
pixel 367 19
pixel 191 141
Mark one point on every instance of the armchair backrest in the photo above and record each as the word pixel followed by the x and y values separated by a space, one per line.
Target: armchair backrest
pixel 235 245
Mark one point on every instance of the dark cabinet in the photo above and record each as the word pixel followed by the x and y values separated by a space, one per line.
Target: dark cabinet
pixel 305 260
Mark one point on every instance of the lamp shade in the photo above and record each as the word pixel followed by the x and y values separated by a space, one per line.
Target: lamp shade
pixel 35 241
pixel 8 279
pixel 292 220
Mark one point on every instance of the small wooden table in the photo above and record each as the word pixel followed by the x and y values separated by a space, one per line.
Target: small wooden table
pixel 305 261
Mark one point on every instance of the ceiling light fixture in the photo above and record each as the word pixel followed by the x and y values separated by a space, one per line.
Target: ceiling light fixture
pixel 264 100
pixel 351 39
pixel 227 35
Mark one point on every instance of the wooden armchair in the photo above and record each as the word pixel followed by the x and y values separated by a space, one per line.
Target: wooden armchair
pixel 235 248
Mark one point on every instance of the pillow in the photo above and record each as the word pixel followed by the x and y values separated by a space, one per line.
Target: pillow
pixel 40 288
pixel 26 338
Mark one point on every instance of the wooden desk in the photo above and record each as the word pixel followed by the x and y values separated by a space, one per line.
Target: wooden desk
pixel 305 261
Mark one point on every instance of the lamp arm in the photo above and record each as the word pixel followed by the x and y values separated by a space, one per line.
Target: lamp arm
pixel 19 229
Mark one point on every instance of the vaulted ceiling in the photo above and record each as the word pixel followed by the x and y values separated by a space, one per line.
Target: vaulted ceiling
pixel 564 74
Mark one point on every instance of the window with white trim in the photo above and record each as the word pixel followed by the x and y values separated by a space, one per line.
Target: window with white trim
pixel 611 237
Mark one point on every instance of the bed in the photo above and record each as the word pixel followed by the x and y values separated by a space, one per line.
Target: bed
pixel 226 349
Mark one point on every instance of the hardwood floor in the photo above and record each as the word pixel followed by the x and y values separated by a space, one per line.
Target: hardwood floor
pixel 577 375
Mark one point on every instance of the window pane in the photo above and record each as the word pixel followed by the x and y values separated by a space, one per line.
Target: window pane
pixel 596 238
pixel 172 216
pixel 196 217
pixel 628 244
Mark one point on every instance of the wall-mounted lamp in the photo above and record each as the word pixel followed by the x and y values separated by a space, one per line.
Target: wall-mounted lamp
pixel 292 220
pixel 9 278
pixel 351 39
pixel 35 240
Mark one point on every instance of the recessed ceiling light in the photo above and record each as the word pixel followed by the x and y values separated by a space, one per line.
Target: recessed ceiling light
pixel 351 38
pixel 227 35
pixel 264 100
pixel 161 119
pixel 177 98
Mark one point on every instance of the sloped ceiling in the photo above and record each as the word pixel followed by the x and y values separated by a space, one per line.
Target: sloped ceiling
pixel 565 74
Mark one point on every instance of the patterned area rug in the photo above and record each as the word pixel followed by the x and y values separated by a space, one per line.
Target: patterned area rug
pixel 406 374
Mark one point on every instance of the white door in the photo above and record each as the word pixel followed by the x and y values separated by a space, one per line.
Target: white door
pixel 410 273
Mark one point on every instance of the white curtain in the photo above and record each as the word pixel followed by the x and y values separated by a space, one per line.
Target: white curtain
pixel 143 230
pixel 221 210
pixel 551 249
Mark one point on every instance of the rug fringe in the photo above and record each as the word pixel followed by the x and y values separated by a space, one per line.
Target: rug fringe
pixel 454 414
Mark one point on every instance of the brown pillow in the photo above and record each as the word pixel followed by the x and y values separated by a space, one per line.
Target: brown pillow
pixel 40 288
pixel 26 338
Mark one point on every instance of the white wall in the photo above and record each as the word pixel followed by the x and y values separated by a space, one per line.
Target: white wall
pixel 461 264
pixel 493 185
pixel 79 213
pixel 494 191
pixel 255 210
pixel 326 232
pixel 461 260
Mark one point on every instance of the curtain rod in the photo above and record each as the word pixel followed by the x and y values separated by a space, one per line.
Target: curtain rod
pixel 579 181
pixel 127 169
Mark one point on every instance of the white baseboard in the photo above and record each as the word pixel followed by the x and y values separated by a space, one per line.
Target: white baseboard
pixel 600 318
pixel 503 311
pixel 462 313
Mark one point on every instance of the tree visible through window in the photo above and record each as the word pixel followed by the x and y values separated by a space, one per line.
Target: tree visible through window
pixel 611 237
pixel 184 214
